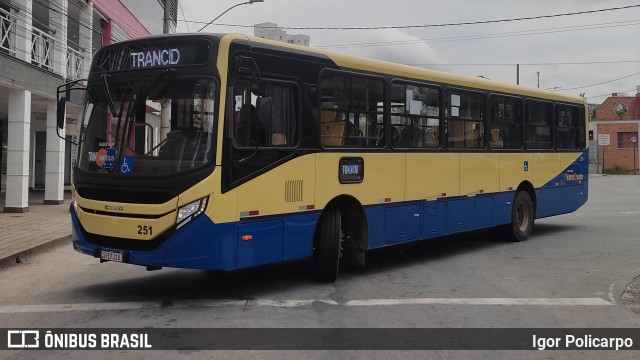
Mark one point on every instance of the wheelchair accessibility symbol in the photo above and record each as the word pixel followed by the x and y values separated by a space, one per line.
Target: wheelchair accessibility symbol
pixel 126 165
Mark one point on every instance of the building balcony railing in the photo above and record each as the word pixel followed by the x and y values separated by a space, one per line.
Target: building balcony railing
pixel 75 62
pixel 7 26
pixel 43 48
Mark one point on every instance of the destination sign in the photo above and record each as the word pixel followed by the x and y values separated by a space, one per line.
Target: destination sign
pixel 151 58
pixel 153 53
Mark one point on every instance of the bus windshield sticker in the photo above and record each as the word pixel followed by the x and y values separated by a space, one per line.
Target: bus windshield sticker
pixel 105 158
pixel 351 170
pixel 126 165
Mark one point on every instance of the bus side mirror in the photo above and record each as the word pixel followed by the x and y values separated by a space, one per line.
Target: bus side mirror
pixel 60 112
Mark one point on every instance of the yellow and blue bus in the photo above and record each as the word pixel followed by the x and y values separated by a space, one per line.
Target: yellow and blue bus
pixel 225 152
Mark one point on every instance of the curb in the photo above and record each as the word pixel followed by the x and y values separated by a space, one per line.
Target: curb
pixel 19 257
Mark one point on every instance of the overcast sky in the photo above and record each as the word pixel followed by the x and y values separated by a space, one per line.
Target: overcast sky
pixel 541 45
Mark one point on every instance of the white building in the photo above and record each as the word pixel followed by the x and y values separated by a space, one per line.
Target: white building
pixel 271 31
pixel 44 44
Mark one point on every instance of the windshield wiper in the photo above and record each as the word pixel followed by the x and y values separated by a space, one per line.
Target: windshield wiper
pixel 153 85
pixel 137 104
pixel 105 84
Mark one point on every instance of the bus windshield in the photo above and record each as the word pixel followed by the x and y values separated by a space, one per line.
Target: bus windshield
pixel 124 132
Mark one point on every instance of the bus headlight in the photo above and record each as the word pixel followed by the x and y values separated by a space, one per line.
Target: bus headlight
pixel 190 211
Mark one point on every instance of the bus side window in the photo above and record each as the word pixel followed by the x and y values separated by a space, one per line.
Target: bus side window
pixel 567 128
pixel 265 118
pixel 465 119
pixel 352 110
pixel 505 123
pixel 415 116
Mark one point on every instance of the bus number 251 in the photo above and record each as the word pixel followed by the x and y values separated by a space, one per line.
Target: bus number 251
pixel 145 230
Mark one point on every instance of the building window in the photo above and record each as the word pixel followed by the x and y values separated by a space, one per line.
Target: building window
pixel 624 140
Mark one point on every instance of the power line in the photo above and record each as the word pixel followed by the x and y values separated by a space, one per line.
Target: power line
pixel 433 25
pixel 489 36
pixel 606 95
pixel 531 64
pixel 604 82
pixel 184 17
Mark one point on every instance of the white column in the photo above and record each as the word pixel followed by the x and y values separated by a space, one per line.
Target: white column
pixel 58 22
pixel 86 38
pixel 18 137
pixel 24 21
pixel 54 172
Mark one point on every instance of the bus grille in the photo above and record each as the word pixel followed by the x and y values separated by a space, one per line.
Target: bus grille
pixel 126 195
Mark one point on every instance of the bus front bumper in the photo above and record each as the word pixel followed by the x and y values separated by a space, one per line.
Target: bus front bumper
pixel 195 246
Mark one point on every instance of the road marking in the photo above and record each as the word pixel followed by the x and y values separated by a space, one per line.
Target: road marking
pixel 611 297
pixel 14 309
pixel 483 301
pixel 295 303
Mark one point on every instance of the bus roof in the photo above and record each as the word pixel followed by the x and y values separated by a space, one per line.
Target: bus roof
pixel 412 72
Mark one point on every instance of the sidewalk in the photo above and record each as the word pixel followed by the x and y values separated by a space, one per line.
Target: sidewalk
pixel 44 226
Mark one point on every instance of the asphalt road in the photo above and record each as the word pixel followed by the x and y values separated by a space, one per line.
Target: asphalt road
pixel 572 273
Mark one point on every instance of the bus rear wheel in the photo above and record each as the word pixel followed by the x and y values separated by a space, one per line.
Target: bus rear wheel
pixel 522 216
pixel 328 246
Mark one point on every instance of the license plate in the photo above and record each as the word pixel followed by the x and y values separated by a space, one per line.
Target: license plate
pixel 111 255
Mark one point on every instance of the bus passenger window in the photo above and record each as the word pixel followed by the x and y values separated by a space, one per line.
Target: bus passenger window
pixel 538 125
pixel 465 121
pixel 567 128
pixel 352 111
pixel 265 117
pixel 415 116
pixel 505 123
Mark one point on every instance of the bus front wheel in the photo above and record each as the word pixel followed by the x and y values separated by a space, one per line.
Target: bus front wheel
pixel 328 248
pixel 521 218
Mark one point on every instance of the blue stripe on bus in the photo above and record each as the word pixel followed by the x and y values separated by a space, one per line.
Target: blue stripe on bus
pixel 401 223
pixel 567 191
pixel 202 244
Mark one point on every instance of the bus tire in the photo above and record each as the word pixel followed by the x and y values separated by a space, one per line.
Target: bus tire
pixel 329 246
pixel 521 218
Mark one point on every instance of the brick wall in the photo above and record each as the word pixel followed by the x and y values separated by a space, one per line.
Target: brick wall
pixel 605 111
pixel 614 156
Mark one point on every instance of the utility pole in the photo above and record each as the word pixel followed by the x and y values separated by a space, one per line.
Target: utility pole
pixel 165 105
pixel 517 74
pixel 166 20
pixel 538 72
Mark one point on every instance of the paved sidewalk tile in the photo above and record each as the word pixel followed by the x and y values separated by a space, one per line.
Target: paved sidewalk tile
pixel 42 225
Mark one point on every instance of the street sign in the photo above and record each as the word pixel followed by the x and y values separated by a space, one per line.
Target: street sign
pixel 604 139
